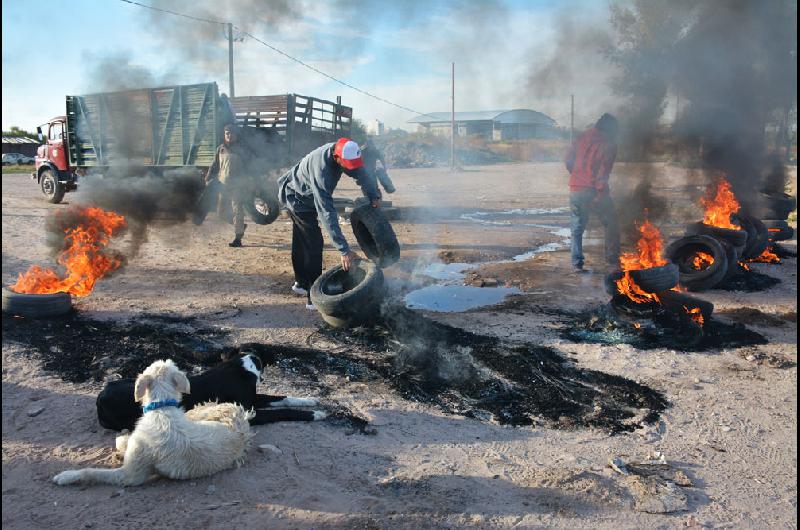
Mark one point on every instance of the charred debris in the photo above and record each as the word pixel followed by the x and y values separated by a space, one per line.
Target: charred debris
pixel 456 371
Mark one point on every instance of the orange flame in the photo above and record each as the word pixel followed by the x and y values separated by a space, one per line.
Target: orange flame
pixel 702 261
pixel 649 248
pixel 82 256
pixel 768 256
pixel 696 315
pixel 720 206
pixel 649 254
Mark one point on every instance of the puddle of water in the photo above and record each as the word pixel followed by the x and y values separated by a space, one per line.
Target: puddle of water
pixel 456 298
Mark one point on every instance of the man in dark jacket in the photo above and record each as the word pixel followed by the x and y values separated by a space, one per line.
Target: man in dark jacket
pixel 229 174
pixel 306 191
pixel 372 155
pixel 589 162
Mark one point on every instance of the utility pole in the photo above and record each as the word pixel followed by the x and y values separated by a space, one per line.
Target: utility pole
pixel 230 60
pixel 572 119
pixel 453 116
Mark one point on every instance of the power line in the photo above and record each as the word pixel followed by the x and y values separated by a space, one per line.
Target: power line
pixel 277 50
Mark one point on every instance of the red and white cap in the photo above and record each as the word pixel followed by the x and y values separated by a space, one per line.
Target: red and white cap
pixel 349 153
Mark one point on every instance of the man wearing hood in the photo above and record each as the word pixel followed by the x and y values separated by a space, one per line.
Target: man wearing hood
pixel 589 162
pixel 306 191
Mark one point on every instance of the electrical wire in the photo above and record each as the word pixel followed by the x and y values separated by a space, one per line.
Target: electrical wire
pixel 279 51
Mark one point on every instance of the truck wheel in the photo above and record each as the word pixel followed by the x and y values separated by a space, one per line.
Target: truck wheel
pixel 51 187
pixel 264 207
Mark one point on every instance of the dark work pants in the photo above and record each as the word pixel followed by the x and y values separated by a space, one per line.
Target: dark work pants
pixel 306 248
pixel 581 204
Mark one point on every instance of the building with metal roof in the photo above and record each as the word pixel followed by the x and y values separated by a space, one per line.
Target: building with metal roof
pixel 20 144
pixel 517 124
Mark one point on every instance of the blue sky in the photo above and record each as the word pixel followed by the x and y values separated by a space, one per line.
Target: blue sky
pixel 398 50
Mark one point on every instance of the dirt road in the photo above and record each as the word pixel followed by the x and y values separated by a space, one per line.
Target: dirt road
pixel 731 427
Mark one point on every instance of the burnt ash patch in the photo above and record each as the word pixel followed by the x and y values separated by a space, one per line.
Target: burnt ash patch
pixel 80 349
pixel 655 327
pixel 483 377
pixel 748 281
pixel 457 371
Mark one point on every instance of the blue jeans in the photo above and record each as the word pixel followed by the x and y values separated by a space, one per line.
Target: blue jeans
pixel 581 204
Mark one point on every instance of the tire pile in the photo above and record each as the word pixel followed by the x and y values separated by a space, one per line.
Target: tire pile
pixel 708 255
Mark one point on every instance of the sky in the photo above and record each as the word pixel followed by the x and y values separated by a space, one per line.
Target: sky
pixel 400 51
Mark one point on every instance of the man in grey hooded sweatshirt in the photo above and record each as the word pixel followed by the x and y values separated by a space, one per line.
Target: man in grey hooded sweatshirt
pixel 306 191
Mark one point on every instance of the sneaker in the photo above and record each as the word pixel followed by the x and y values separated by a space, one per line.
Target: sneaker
pixel 579 270
pixel 299 290
pixel 311 307
pixel 235 243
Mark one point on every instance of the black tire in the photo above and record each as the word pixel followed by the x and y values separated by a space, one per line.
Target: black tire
pixel 375 235
pixel 732 255
pixel 657 279
pixel 207 202
pixel 778 230
pixel 53 189
pixel 346 299
pixel 737 238
pixel 760 238
pixel 678 302
pixel 682 253
pixel 264 208
pixel 36 305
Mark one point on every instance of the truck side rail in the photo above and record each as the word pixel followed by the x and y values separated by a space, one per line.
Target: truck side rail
pixel 167 126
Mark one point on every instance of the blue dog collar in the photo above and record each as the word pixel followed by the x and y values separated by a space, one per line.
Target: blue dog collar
pixel 159 404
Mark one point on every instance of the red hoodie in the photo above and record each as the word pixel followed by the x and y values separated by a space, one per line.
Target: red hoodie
pixel 590 160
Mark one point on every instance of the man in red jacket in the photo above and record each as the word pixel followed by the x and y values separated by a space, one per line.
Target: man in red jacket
pixel 589 162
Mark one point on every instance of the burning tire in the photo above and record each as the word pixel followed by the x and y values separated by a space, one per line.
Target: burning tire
pixel 737 238
pixel 702 261
pixel 778 230
pixel 346 299
pixel 757 236
pixel 375 235
pixel 657 279
pixel 264 208
pixel 678 302
pixel 53 190
pixel 36 305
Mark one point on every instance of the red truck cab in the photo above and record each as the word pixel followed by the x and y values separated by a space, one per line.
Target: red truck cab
pixel 52 170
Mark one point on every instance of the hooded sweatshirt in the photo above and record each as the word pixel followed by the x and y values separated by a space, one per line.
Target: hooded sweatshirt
pixel 308 187
pixel 590 161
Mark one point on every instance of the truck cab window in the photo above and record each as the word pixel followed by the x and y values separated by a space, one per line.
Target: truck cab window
pixel 56 131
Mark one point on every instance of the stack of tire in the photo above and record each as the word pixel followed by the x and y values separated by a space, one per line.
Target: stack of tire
pixel 726 247
pixel 774 209
pixel 660 281
pixel 352 298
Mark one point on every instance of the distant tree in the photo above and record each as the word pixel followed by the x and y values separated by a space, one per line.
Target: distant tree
pixel 19 133
pixel 358 132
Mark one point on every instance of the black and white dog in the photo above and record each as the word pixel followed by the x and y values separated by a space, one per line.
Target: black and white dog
pixel 232 381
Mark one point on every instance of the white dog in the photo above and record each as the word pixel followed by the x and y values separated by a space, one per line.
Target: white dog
pixel 169 442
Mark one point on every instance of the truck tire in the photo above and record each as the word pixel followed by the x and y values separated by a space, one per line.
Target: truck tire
pixel 657 279
pixel 778 230
pixel 53 190
pixel 346 299
pixel 264 208
pixel 757 236
pixel 737 238
pixel 36 305
pixel 682 253
pixel 375 235
pixel 675 301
